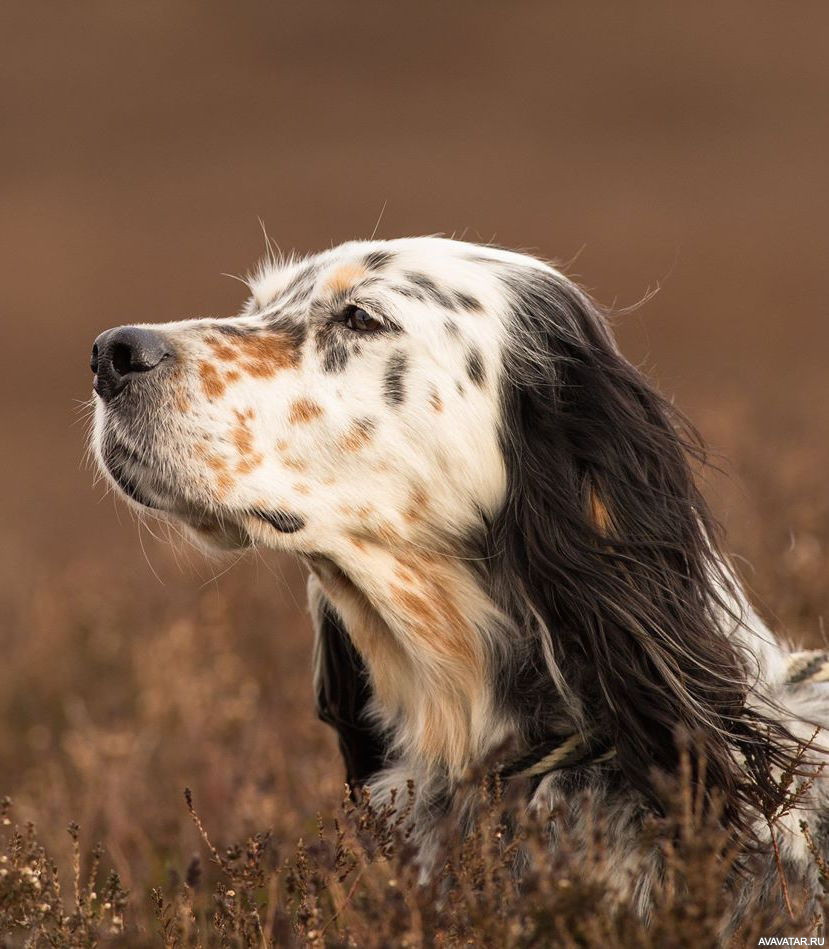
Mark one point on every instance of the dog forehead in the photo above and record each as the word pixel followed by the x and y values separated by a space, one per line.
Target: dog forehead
pixel 441 268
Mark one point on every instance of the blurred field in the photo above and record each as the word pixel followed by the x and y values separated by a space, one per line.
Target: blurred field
pixel 655 144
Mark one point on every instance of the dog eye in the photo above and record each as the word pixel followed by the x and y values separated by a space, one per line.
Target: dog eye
pixel 356 318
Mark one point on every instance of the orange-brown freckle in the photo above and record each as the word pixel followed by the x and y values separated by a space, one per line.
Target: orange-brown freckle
pixel 436 402
pixel 387 533
pixel 211 382
pixel 281 445
pixel 243 440
pixel 343 278
pixel 356 542
pixel 302 488
pixel 295 464
pixel 359 434
pixel 222 350
pixel 599 512
pixel 182 402
pixel 416 605
pixel 302 411
pixel 417 503
pixel 266 354
pixel 246 465
pixel 223 484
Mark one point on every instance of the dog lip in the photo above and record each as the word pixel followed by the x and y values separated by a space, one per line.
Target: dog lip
pixel 282 521
pixel 114 455
pixel 130 488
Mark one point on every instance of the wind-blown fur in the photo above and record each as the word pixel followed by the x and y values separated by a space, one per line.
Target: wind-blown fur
pixel 506 543
pixel 605 551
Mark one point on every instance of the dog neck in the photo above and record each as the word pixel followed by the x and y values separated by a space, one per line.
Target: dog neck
pixel 423 626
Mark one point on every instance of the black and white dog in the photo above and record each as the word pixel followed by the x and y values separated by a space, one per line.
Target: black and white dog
pixel 505 540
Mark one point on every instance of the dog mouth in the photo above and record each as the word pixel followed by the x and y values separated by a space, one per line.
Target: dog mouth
pixel 137 478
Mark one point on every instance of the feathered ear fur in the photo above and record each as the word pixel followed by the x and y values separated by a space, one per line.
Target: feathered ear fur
pixel 342 691
pixel 607 557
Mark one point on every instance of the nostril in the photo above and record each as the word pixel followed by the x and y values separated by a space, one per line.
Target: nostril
pixel 122 358
pixel 93 362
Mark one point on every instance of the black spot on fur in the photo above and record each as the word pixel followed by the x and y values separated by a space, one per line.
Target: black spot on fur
pixel 466 302
pixel 332 348
pixel 394 390
pixel 335 356
pixel 295 329
pixel 483 259
pixel 475 366
pixel 411 293
pixel 377 259
pixel 282 521
pixel 302 282
pixel 431 290
pixel 452 329
pixel 228 329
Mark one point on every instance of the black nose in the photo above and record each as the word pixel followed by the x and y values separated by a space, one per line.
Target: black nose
pixel 121 353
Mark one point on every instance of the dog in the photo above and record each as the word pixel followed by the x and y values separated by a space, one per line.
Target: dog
pixel 505 542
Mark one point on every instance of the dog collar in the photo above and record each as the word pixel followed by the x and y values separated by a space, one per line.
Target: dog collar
pixel 568 751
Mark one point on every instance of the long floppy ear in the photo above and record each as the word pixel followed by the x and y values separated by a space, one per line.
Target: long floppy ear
pixel 609 553
pixel 342 690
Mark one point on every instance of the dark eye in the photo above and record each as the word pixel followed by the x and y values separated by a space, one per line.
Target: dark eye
pixel 356 318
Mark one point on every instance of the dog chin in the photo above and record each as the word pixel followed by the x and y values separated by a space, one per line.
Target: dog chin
pixel 215 536
pixel 208 530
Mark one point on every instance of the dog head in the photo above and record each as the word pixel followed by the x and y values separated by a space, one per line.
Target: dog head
pixel 355 397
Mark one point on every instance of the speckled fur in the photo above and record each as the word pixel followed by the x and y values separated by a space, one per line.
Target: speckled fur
pixel 383 460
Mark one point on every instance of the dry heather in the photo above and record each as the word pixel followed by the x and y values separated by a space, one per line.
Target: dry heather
pixel 117 693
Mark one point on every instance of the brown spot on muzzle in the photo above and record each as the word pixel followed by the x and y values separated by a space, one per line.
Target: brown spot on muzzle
pixel 212 382
pixel 222 350
pixel 223 480
pixel 259 354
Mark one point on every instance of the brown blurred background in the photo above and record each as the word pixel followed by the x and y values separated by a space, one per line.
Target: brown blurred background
pixel 679 146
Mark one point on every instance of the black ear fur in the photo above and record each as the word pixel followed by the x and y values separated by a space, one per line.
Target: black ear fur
pixel 633 602
pixel 343 694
